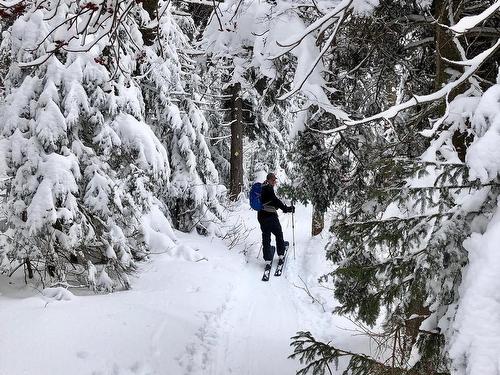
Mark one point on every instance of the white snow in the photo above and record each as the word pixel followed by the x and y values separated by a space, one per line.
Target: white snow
pixel 157 231
pixel 139 136
pixel 467 23
pixel 475 342
pixel 211 316
pixel 57 294
pixel 57 174
pixel 473 324
pixel 483 156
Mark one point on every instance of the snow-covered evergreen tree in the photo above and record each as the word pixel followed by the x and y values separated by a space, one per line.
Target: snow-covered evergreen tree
pixel 172 93
pixel 240 41
pixel 408 203
pixel 93 162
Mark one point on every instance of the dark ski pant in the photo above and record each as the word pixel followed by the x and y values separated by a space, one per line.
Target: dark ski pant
pixel 268 225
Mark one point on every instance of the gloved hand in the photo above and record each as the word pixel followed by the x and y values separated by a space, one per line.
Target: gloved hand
pixel 290 209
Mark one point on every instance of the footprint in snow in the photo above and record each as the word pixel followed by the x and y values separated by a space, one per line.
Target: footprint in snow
pixel 137 368
pixel 82 354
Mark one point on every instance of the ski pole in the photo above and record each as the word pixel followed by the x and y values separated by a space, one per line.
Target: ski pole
pixel 260 249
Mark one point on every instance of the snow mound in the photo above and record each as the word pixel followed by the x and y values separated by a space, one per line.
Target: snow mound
pixel 58 294
pixel 156 239
pixel 186 252
pixel 160 237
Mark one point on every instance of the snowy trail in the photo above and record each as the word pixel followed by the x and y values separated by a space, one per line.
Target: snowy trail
pixel 212 317
pixel 249 333
pixel 257 326
pixel 252 333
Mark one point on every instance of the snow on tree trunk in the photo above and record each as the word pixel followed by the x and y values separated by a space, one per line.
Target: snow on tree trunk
pixel 318 221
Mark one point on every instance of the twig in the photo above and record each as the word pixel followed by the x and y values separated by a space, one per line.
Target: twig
pixel 305 288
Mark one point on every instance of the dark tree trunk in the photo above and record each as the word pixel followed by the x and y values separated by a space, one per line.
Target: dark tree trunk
pixel 29 268
pixel 149 34
pixel 150 6
pixel 446 49
pixel 318 221
pixel 236 160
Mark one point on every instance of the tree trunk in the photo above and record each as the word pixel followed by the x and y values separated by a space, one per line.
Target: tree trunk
pixel 149 34
pixel 418 309
pixel 29 268
pixel 446 49
pixel 236 160
pixel 150 6
pixel 318 221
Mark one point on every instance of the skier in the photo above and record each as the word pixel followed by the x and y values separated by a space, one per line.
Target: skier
pixel 268 219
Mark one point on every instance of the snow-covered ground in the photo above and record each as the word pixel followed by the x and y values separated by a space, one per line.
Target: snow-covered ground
pixel 214 316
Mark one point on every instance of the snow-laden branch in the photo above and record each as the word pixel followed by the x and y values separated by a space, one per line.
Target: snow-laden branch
pixel 324 22
pixel 201 2
pixel 91 23
pixel 472 64
pixel 9 4
pixel 315 63
pixel 467 23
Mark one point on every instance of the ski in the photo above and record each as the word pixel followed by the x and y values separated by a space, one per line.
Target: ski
pixel 267 269
pixel 281 262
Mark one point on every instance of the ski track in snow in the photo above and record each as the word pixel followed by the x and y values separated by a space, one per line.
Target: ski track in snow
pixel 199 352
pixel 213 317
pixel 257 319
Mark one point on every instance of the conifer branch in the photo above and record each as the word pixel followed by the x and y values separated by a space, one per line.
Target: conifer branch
pixel 318 356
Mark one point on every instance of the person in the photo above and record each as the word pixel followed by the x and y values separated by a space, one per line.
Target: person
pixel 268 219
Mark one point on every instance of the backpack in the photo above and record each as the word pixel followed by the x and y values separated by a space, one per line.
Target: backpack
pixel 254 196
